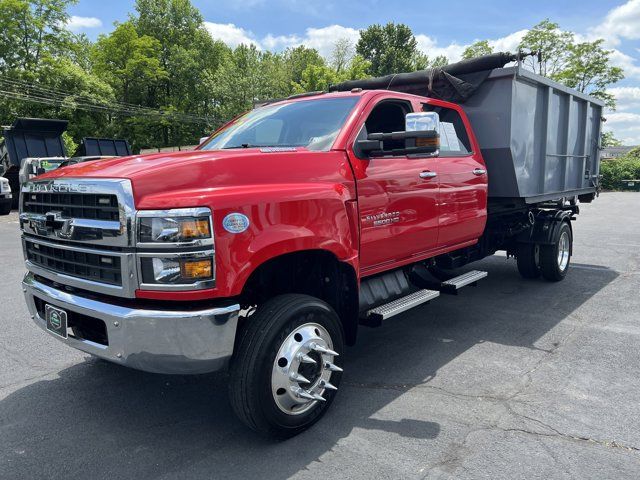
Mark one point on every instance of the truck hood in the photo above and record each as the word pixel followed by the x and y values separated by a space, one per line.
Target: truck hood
pixel 187 175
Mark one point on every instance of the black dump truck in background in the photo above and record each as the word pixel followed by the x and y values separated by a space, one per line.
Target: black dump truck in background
pixel 29 137
pixel 39 142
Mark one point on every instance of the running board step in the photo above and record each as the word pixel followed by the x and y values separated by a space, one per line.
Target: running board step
pixel 375 316
pixel 456 283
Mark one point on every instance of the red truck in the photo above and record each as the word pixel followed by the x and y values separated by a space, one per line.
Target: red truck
pixel 266 248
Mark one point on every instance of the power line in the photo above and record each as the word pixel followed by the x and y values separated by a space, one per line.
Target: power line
pixel 34 93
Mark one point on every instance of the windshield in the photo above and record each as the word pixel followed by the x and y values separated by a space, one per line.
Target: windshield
pixel 313 124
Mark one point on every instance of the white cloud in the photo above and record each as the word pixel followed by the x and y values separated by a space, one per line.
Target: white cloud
pixel 454 51
pixel 322 39
pixel 280 42
pixel 231 34
pixel 76 23
pixel 626 97
pixel 430 46
pixel 509 43
pixel 625 126
pixel 620 22
pixel 626 62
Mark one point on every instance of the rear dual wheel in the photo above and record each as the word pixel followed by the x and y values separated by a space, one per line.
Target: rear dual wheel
pixel 552 261
pixel 555 258
pixel 286 371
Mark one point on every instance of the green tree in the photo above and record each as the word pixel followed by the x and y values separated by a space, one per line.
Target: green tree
pixel 298 59
pixel 188 55
pixel 439 61
pixel 608 139
pixel 477 49
pixel 317 78
pixel 587 69
pixel 129 62
pixel 31 30
pixel 391 48
pixel 341 55
pixel 551 43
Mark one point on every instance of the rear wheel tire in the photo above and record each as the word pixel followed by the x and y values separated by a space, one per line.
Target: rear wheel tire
pixel 528 258
pixel 555 258
pixel 5 209
pixel 286 370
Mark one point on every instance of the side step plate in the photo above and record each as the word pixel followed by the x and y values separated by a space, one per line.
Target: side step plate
pixel 456 283
pixel 375 316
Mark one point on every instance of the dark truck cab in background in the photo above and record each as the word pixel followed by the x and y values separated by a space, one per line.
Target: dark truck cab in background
pixel 264 250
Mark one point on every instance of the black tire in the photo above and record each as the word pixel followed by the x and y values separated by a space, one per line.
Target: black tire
pixel 5 208
pixel 552 268
pixel 527 256
pixel 250 390
pixel 441 274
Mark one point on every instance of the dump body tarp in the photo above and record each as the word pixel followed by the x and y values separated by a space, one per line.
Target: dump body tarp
pixel 454 83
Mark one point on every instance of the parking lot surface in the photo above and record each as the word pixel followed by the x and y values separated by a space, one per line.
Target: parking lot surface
pixel 512 379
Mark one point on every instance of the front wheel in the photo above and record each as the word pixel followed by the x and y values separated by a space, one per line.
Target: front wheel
pixel 555 258
pixel 286 370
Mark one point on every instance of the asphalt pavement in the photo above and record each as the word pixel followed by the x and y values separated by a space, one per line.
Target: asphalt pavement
pixel 511 379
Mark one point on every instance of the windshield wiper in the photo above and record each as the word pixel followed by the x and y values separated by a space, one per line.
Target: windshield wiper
pixel 242 145
pixel 250 145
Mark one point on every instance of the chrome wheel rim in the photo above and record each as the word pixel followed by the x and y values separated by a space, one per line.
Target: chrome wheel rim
pixel 563 251
pixel 302 369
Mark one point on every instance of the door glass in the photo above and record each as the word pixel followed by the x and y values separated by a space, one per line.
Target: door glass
pixel 454 140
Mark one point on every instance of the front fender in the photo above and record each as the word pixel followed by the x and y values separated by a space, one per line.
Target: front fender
pixel 282 219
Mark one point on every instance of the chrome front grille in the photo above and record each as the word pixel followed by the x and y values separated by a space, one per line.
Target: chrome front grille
pixel 81 233
pixel 95 212
pixel 74 205
pixel 96 267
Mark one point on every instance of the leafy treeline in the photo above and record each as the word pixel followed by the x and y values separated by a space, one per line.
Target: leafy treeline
pixel 160 79
pixel 624 168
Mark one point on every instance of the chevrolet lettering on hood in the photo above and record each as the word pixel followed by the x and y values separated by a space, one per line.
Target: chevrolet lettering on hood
pixel 58 187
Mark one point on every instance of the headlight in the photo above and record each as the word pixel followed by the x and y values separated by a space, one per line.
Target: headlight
pixel 185 225
pixel 172 249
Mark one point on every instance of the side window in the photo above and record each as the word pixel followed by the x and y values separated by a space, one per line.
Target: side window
pixel 454 139
pixel 386 117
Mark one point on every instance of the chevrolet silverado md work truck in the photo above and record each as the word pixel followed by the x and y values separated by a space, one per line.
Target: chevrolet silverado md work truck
pixel 265 249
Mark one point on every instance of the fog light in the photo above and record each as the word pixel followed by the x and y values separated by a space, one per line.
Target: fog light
pixel 166 270
pixel 196 269
pixel 177 271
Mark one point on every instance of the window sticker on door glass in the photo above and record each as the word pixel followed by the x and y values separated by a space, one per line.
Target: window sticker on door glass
pixel 448 137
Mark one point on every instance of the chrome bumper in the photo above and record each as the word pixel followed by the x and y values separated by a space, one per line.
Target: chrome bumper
pixel 179 342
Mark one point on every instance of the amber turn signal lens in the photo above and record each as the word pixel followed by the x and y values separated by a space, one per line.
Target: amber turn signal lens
pixel 196 269
pixel 428 142
pixel 198 228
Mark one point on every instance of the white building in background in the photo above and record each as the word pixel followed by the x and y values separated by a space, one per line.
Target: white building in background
pixel 611 153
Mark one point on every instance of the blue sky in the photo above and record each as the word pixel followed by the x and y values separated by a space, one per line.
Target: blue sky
pixel 440 27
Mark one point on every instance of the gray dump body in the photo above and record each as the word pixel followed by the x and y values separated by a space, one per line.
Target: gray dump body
pixel 539 139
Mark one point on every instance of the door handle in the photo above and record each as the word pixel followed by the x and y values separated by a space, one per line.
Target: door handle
pixel 428 174
pixel 479 171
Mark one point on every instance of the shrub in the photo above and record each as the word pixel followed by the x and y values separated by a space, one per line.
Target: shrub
pixel 624 168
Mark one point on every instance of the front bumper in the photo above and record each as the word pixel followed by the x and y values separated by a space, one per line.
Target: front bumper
pixel 159 341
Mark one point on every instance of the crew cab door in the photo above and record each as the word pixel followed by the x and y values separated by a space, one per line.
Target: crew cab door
pixel 397 195
pixel 462 197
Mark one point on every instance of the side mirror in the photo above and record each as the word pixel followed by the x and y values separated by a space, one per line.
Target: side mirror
pixel 367 147
pixel 421 137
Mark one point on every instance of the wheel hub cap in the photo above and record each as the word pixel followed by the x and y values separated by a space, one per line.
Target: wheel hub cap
pixel 302 369
pixel 563 251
